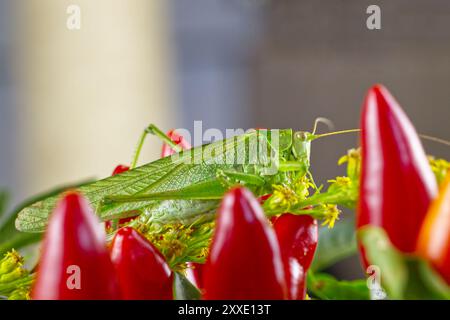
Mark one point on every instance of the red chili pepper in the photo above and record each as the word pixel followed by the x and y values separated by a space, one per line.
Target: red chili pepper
pixel 397 184
pixel 263 198
pixel 75 262
pixel 178 139
pixel 108 224
pixel 434 239
pixel 141 269
pixel 244 260
pixel 298 237
pixel 120 169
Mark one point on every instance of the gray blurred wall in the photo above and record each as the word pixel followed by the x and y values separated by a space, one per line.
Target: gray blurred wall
pixel 215 44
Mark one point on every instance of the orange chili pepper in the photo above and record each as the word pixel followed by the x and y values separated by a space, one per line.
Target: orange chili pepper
pixel 433 243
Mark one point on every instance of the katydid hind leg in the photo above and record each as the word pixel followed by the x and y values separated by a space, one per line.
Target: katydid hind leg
pixel 154 130
pixel 231 178
pixel 206 190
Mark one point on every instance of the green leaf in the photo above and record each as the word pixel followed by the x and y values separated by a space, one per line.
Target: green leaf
pixel 402 276
pixel 383 256
pixel 183 289
pixel 326 287
pixel 10 237
pixel 3 203
pixel 335 244
pixel 424 282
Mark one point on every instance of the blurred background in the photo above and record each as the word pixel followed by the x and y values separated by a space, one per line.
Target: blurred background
pixel 73 102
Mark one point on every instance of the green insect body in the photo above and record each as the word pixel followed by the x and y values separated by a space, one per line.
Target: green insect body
pixel 190 184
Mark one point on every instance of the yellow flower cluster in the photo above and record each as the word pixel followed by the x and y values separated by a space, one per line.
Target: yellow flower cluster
pixel 181 243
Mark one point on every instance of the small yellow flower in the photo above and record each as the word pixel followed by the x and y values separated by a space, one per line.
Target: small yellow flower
pixel 180 243
pixel 440 167
pixel 15 274
pixel 174 248
pixel 204 252
pixel 331 215
pixel 341 181
pixel 10 261
pixel 353 160
pixel 20 294
pixel 283 197
pixel 301 187
pixel 352 154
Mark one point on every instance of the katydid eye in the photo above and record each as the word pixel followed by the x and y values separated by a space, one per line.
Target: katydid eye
pixel 301 135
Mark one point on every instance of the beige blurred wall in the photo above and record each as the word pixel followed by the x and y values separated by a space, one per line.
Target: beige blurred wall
pixel 86 95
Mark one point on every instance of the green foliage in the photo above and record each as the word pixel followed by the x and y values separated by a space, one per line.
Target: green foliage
pixel 183 289
pixel 326 287
pixel 3 203
pixel 424 282
pixel 22 293
pixel 15 280
pixel 402 276
pixel 10 237
pixel 335 244
pixel 380 252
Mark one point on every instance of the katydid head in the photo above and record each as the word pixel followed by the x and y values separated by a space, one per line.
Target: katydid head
pixel 301 145
pixel 301 141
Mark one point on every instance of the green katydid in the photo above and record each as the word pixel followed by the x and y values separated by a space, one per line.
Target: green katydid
pixel 175 188
pixel 178 189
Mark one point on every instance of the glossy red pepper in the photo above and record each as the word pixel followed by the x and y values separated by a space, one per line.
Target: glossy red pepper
pixel 397 184
pixel 434 238
pixel 263 198
pixel 75 262
pixel 118 170
pixel 178 139
pixel 244 260
pixel 141 269
pixel 298 237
